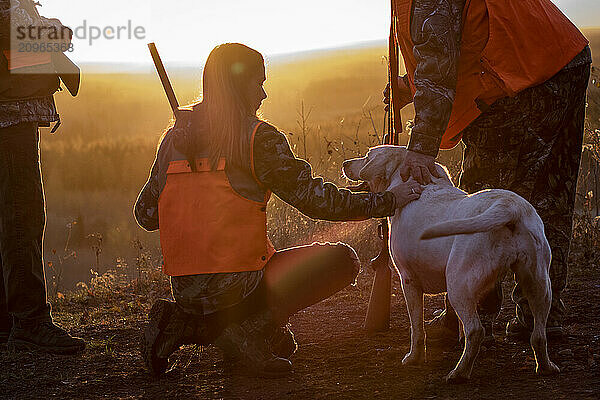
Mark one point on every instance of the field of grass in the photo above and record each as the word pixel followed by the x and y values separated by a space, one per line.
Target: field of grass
pixel 97 162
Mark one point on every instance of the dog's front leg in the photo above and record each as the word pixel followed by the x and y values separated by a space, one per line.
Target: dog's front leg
pixel 413 294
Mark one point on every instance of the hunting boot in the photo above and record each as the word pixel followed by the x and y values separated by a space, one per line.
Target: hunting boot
pixel 42 336
pixel 443 329
pixel 521 325
pixel 516 330
pixel 446 330
pixel 282 341
pixel 169 328
pixel 246 342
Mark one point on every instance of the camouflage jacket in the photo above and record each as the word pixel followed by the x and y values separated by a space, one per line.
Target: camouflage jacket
pixel 291 179
pixel 41 110
pixel 436 33
pixel 288 177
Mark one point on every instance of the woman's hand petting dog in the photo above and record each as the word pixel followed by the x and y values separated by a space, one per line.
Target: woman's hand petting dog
pixel 406 192
pixel 420 166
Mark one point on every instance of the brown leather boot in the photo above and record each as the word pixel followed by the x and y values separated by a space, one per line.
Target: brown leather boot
pixel 516 330
pixel 520 327
pixel 247 342
pixel 43 336
pixel 443 329
pixel 283 343
pixel 168 329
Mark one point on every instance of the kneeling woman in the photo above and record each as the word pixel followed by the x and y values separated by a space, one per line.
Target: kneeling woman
pixel 208 191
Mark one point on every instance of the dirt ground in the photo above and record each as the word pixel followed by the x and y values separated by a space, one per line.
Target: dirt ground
pixel 335 359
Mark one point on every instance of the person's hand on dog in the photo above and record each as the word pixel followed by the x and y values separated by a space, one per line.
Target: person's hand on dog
pixel 406 192
pixel 420 167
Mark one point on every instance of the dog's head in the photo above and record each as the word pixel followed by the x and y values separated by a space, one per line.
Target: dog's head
pixel 377 167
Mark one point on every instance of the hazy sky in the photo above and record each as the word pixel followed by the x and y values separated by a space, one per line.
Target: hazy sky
pixel 186 30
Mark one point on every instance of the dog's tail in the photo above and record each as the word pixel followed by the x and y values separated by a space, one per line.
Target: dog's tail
pixel 498 215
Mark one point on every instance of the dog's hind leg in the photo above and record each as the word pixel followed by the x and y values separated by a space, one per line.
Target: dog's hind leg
pixel 465 305
pixel 533 276
pixel 413 295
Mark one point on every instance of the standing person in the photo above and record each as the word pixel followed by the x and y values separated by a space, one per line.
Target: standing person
pixel 208 192
pixel 510 78
pixel 26 103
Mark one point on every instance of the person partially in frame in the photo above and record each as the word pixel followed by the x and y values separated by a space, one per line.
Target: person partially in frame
pixel 510 79
pixel 27 83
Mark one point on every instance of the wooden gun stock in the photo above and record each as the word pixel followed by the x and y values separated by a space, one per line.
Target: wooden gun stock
pixel 378 313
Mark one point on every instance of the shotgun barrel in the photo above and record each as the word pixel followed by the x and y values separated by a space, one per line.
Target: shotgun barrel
pixel 378 313
pixel 164 78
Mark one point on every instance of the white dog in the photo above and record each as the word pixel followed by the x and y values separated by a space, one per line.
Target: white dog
pixel 449 241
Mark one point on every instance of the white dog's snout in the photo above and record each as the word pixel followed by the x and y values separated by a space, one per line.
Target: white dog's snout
pixel 350 170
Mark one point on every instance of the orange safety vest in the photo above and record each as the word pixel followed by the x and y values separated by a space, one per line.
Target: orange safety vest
pixel 506 47
pixel 206 227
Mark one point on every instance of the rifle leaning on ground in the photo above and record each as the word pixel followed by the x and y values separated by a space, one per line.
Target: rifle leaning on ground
pixel 378 313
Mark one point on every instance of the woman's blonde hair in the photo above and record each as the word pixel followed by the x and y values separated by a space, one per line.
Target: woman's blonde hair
pixel 224 109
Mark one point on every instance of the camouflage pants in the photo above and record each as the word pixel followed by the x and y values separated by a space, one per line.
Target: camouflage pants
pixel 531 144
pixel 292 280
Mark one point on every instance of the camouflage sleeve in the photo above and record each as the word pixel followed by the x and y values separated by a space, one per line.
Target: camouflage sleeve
pixel 436 33
pixel 13 13
pixel 291 179
pixel 146 206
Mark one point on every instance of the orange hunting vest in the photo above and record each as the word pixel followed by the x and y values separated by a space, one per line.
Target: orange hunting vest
pixel 206 227
pixel 507 46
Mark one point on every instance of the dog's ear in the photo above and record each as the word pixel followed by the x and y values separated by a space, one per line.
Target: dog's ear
pixel 374 169
pixel 380 166
pixel 352 167
pixel 391 166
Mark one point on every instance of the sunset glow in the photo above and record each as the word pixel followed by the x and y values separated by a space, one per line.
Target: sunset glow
pixel 186 30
